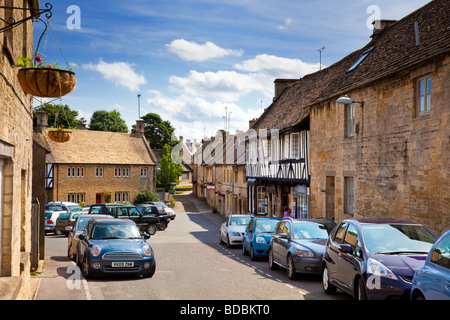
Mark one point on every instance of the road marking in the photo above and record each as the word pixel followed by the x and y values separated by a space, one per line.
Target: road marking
pixel 290 286
pixel 303 292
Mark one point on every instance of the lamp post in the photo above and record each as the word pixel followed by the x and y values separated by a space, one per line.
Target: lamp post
pixel 139 105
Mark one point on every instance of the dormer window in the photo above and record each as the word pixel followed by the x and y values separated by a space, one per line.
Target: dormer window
pixel 364 56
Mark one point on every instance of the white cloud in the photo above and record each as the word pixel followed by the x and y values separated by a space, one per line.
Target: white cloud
pixel 287 22
pixel 120 73
pixel 193 51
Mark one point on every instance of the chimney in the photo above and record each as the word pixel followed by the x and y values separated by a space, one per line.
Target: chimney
pixel 181 139
pixel 381 25
pixel 251 123
pixel 140 127
pixel 281 84
pixel 42 122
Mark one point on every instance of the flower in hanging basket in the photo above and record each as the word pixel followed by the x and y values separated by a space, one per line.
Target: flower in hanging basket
pixel 41 79
pixel 59 134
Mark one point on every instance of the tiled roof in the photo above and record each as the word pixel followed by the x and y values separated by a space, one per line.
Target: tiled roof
pixel 394 49
pixel 101 147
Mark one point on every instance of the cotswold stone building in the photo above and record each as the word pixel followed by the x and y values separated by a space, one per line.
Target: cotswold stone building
pixel 16 152
pixel 378 123
pixel 99 166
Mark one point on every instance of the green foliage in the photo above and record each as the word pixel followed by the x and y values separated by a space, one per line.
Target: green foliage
pixel 63 115
pixel 169 170
pixel 158 132
pixel 146 195
pixel 102 120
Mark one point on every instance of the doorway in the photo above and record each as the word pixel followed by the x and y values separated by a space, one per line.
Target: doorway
pixel 98 198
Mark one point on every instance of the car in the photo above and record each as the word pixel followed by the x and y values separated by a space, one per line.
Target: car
pixel 147 223
pixel 67 206
pixel 432 281
pixel 65 221
pixel 233 228
pixel 78 227
pixel 159 212
pixel 257 236
pixel 298 246
pixel 375 258
pixel 101 208
pixel 170 212
pixel 112 246
pixel 52 213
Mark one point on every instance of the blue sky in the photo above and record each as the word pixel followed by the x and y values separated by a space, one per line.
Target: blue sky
pixel 194 60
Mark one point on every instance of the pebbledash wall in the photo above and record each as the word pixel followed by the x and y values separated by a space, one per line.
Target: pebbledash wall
pixel 16 145
pixel 398 159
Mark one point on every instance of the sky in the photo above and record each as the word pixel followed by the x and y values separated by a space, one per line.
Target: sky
pixel 203 65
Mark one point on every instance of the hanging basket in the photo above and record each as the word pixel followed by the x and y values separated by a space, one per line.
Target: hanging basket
pixel 46 83
pixel 60 136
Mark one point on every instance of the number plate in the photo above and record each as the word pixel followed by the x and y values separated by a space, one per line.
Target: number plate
pixel 122 264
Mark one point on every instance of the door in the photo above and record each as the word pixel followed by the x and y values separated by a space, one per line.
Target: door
pixel 350 262
pixel 98 198
pixel 333 250
pixel 280 241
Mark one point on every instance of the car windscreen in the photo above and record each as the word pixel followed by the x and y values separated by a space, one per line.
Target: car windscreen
pixel 239 221
pixel 115 231
pixel 265 225
pixel 54 208
pixel 64 216
pixel 310 231
pixel 397 238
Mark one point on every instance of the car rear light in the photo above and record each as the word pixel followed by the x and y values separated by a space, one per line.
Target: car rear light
pixel 69 223
pixel 49 222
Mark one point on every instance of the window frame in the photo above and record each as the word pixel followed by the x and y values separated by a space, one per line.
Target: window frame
pixel 427 93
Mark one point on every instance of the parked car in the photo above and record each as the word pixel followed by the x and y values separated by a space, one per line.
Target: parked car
pixel 52 213
pixel 147 223
pixel 375 258
pixel 65 221
pixel 299 245
pixel 257 236
pixel 67 206
pixel 232 230
pixel 78 227
pixel 101 208
pixel 432 281
pixel 114 246
pixel 159 212
pixel 170 212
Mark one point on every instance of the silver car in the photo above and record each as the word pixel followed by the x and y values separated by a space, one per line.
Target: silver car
pixel 232 230
pixel 78 228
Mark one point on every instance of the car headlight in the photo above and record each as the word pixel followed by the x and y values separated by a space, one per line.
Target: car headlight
pixel 304 253
pixel 146 250
pixel 376 268
pixel 260 240
pixel 95 251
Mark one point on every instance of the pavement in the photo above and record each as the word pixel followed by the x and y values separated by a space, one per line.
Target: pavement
pixel 57 277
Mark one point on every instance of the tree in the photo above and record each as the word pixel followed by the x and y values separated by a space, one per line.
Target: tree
pixel 157 131
pixel 146 195
pixel 102 120
pixel 58 115
pixel 169 170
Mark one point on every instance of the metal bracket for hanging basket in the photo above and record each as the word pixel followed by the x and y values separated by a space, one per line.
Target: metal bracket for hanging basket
pixel 35 14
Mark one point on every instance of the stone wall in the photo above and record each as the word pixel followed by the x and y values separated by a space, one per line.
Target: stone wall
pixel 16 134
pixel 399 160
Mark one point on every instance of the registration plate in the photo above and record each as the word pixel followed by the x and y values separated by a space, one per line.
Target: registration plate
pixel 122 264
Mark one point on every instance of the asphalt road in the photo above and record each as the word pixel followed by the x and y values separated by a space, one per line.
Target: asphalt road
pixel 191 264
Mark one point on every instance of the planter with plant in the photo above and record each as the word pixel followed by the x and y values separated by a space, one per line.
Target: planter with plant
pixel 59 134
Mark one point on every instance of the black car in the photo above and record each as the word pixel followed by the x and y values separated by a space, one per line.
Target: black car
pixel 145 222
pixel 298 246
pixel 375 258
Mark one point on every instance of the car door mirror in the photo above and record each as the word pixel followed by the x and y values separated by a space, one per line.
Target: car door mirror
pixel 283 236
pixel 345 248
pixel 81 236
pixel 145 236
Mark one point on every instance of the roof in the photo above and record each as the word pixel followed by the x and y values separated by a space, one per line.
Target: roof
pixel 394 49
pixel 101 147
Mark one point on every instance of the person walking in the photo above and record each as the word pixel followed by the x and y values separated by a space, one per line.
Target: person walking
pixel 287 212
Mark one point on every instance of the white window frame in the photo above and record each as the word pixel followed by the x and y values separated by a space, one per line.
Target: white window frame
pixel 294 145
pixel 350 123
pixel 423 95
pixel 99 172
pixel 349 196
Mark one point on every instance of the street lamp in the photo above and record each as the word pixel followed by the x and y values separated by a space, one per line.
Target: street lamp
pixel 346 100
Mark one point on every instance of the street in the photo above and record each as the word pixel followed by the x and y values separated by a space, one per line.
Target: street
pixel 191 264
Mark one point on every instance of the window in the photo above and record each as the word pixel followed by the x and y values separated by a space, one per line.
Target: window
pixel 350 127
pixel 73 172
pixel 357 63
pixel 348 195
pixel 261 200
pixel 185 176
pixel 121 172
pixel 143 172
pixel 295 146
pixel 340 231
pixel 441 253
pixel 99 172
pixel 75 197
pixel 121 196
pixel 423 95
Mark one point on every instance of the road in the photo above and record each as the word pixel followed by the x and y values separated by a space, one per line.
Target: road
pixel 191 264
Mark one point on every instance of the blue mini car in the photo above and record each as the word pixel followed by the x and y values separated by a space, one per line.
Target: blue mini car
pixel 432 281
pixel 114 246
pixel 257 236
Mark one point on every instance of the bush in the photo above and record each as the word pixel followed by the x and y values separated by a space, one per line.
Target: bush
pixel 146 195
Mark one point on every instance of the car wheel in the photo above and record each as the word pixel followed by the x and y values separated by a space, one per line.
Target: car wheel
pixel 361 290
pixel 252 253
pixel 151 228
pixel 86 269
pixel 70 254
pixel 291 271
pixel 162 225
pixel 244 251
pixel 328 288
pixel 272 264
pixel 228 242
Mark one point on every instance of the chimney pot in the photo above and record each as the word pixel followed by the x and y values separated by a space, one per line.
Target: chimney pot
pixel 42 121
pixel 140 126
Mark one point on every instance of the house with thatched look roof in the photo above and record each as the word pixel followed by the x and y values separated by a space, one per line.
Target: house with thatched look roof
pixel 98 166
pixel 373 130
